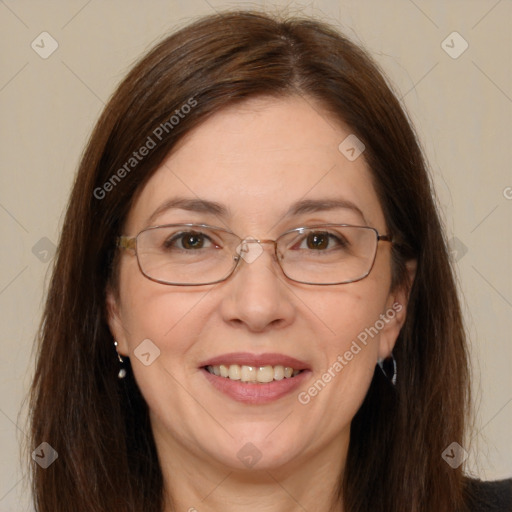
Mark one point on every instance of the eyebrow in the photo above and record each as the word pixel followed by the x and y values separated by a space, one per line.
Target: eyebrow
pixel 191 205
pixel 212 207
pixel 321 205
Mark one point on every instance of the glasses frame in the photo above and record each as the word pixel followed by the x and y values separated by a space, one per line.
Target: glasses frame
pixel 130 243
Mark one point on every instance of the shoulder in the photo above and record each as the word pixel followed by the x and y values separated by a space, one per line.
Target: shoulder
pixel 490 496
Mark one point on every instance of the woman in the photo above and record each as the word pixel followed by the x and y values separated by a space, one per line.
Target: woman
pixel 252 229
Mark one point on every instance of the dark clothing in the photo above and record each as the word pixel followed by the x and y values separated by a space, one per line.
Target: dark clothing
pixel 492 496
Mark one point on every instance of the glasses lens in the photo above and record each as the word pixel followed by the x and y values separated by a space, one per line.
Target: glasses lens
pixel 194 254
pixel 328 254
pixel 184 254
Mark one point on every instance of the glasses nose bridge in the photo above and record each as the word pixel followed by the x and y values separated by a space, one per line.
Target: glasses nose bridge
pixel 264 241
pixel 260 242
pixel 253 240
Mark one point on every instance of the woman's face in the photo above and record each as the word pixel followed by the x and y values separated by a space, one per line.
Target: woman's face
pixel 256 160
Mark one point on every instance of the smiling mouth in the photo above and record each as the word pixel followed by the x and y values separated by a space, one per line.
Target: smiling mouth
pixel 253 374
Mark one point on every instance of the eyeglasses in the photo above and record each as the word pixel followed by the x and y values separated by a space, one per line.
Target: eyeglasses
pixel 199 254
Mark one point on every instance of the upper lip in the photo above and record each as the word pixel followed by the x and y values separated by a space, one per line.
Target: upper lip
pixel 246 358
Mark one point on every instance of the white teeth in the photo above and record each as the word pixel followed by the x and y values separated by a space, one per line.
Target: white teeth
pixel 279 373
pixel 261 374
pixel 248 373
pixel 265 374
pixel 234 372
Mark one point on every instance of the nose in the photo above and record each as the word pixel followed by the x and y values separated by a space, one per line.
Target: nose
pixel 257 294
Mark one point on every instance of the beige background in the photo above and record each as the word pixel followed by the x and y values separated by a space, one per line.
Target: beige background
pixel 461 107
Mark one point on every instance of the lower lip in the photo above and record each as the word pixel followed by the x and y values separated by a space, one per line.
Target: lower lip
pixel 250 393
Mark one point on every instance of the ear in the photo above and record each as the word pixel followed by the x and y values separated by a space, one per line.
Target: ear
pixel 396 312
pixel 115 322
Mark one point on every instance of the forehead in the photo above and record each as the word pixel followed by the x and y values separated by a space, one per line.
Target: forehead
pixel 256 159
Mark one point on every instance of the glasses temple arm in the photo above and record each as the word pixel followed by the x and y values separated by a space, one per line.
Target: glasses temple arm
pixel 126 242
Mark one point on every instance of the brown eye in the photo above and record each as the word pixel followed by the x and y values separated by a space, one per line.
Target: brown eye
pixel 193 241
pixel 189 240
pixel 317 240
pixel 323 240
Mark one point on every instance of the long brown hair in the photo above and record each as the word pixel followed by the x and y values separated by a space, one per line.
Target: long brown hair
pixel 98 424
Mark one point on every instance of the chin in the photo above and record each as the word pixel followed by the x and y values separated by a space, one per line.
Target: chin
pixel 257 450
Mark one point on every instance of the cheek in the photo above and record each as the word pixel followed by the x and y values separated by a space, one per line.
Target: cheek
pixel 350 309
pixel 170 319
pixel 159 313
pixel 351 327
pixel 352 351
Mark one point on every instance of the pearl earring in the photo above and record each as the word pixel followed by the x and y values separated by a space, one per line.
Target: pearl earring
pixel 122 371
